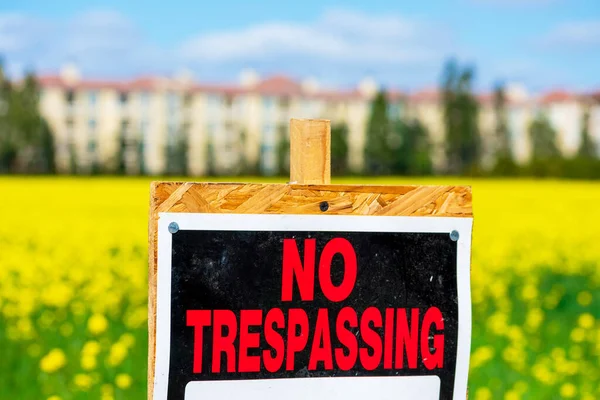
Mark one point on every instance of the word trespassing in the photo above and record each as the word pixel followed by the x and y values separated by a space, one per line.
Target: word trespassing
pixel 387 336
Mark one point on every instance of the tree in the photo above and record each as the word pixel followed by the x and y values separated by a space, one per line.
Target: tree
pixel 121 158
pixel 504 161
pixel 73 164
pixel 545 158
pixel 587 147
pixel 26 142
pixel 414 151
pixel 543 139
pixel 8 138
pixel 141 152
pixel 211 164
pixel 339 149
pixel 177 160
pixel 243 167
pixel 283 151
pixel 48 148
pixel 378 155
pixel 460 117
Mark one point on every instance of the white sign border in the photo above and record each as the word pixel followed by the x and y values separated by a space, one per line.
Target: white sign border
pixel 313 223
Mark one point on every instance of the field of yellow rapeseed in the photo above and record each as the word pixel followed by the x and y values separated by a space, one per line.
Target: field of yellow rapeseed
pixel 73 289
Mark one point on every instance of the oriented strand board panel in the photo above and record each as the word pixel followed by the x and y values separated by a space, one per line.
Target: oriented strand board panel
pixel 239 198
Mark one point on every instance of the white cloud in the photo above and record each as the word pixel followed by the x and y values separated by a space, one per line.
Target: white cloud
pixel 339 46
pixel 338 36
pixel 18 32
pixel 100 42
pixel 512 3
pixel 574 35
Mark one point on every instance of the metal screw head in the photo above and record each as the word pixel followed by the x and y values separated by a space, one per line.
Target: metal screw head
pixel 173 227
pixel 454 236
pixel 324 206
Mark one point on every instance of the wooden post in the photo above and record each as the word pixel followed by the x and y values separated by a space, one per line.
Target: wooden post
pixel 310 151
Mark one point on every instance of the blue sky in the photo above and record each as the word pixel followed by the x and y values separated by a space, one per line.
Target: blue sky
pixel 544 44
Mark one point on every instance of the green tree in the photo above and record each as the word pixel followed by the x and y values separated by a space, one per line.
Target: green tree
pixel 177 155
pixel 504 161
pixel 26 142
pixel 121 161
pixel 587 147
pixel 339 149
pixel 73 164
pixel 243 167
pixel 460 117
pixel 413 156
pixel 546 159
pixel 378 154
pixel 283 150
pixel 211 164
pixel 543 138
pixel 141 154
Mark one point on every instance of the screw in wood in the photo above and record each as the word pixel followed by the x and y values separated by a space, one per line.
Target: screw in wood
pixel 324 206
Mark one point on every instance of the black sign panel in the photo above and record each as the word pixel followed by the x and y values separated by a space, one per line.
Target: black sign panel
pixel 282 304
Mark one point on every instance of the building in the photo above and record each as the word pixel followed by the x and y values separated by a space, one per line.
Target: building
pixel 141 125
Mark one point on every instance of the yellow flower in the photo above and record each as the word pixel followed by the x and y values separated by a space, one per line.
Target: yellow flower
pixel 512 395
pixel 586 321
pixel 97 324
pixel 577 335
pixel 584 298
pixel 55 397
pixel 568 390
pixel 123 381
pixel 117 354
pixel 53 361
pixel 483 394
pixel 91 348
pixel 481 356
pixel 66 329
pixel 107 389
pixel 127 339
pixel 529 292
pixel 88 362
pixel 83 381
pixel 534 318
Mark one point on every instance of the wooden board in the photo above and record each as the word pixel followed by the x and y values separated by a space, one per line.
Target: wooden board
pixel 239 198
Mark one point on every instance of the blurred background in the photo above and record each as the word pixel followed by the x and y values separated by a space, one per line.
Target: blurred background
pixel 99 98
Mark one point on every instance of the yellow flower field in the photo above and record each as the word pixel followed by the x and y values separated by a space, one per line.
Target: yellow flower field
pixel 73 288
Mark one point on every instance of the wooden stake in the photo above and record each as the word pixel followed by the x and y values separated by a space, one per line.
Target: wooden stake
pixel 310 151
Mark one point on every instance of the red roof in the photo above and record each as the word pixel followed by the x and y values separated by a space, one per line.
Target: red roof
pixel 594 95
pixel 278 85
pixel 229 90
pixel 557 96
pixel 426 95
pixel 395 95
pixel 485 98
pixel 141 83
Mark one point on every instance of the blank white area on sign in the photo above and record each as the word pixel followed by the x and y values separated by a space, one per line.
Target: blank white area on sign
pixel 346 388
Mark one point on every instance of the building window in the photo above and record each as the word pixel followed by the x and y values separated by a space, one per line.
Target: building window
pixel 145 100
pixel 393 111
pixel 70 97
pixel 92 98
pixel 70 130
pixel 123 98
pixel 268 103
pixel 172 101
